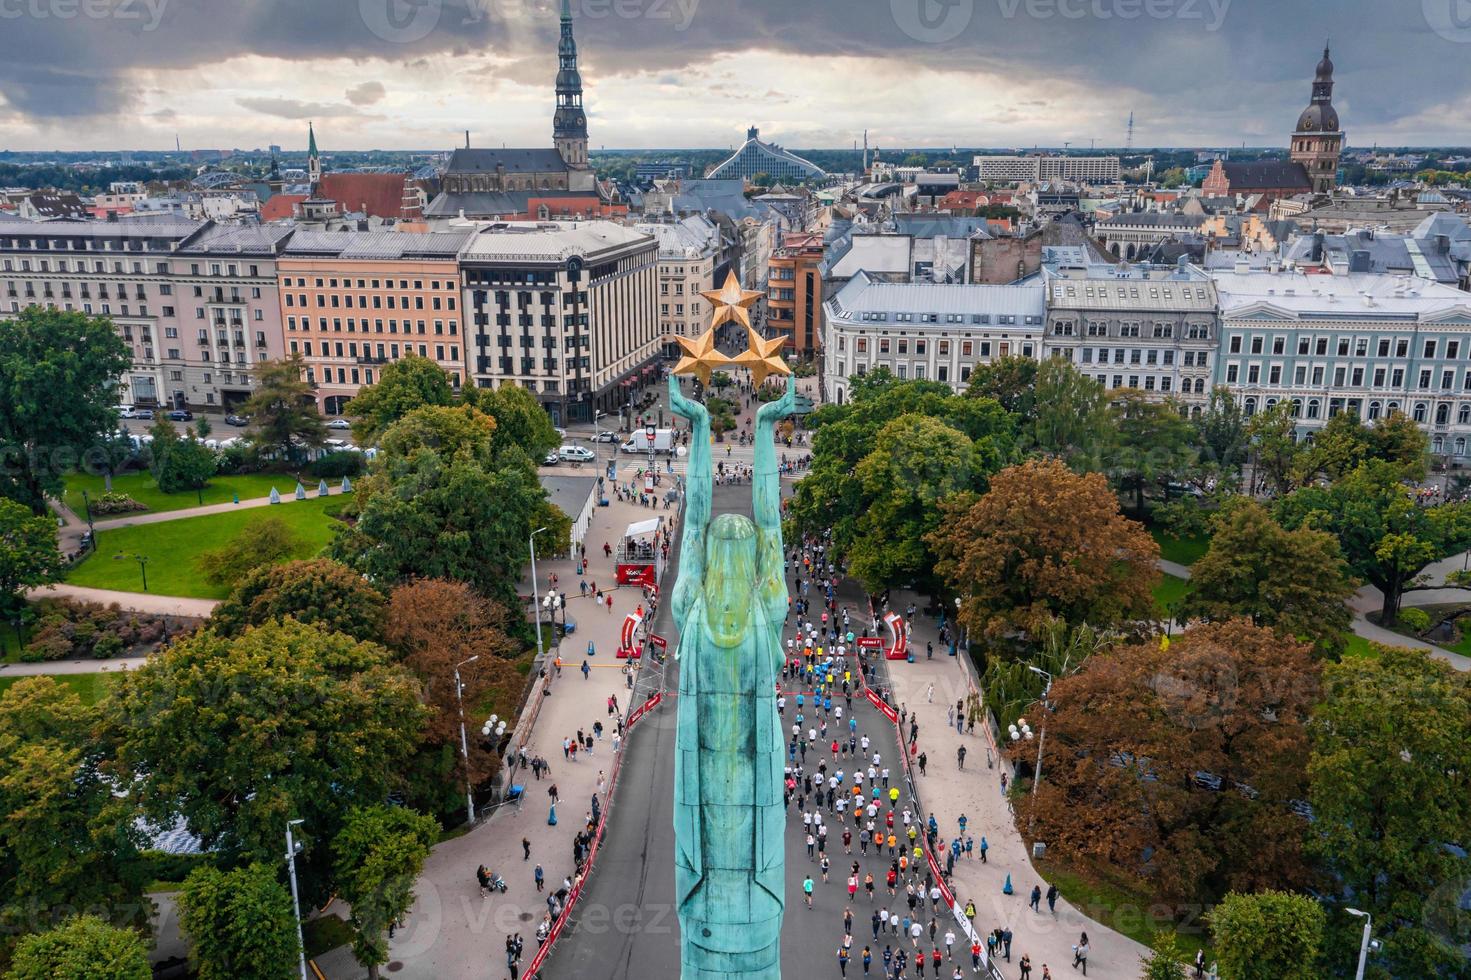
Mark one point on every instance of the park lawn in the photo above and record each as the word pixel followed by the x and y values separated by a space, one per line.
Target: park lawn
pixel 142 488
pixel 324 933
pixel 1110 898
pixel 1181 551
pixel 91 688
pixel 1169 592
pixel 1357 646
pixel 173 547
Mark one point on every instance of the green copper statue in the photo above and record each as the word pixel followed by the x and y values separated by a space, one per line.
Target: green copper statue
pixel 730 601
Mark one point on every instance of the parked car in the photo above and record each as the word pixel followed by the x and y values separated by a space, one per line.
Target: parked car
pixel 339 424
pixel 561 432
pixel 577 454
pixel 552 459
pixel 181 415
pixel 239 421
pixel 127 412
pixel 144 414
pixel 605 435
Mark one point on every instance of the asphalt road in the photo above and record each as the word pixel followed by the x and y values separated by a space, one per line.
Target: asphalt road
pixel 625 926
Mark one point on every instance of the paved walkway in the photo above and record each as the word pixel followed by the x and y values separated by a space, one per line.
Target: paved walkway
pixel 926 689
pixel 288 496
pixel 454 931
pixel 1370 600
pixel 144 602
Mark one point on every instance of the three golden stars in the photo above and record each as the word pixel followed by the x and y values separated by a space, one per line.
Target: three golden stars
pixel 761 357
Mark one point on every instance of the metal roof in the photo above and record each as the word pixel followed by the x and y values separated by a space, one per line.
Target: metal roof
pixel 377 244
pixel 866 295
pixel 555 241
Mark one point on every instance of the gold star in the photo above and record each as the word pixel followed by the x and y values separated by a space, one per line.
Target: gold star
pixel 762 356
pixel 700 356
pixel 731 302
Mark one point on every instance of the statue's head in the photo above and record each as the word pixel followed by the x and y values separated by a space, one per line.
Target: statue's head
pixel 730 578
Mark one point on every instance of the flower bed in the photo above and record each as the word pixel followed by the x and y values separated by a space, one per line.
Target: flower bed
pixel 69 630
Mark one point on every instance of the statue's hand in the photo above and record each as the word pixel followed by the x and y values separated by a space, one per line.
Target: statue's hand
pixel 682 406
pixel 782 407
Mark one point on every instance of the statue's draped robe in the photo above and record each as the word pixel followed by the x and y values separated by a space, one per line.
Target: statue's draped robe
pixel 728 813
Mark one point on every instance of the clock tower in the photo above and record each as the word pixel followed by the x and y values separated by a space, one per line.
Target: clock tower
pixel 1318 142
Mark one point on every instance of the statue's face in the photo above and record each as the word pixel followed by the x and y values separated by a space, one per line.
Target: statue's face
pixel 730 581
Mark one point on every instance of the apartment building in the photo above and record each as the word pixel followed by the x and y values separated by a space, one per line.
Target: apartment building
pixel 689 250
pixel 352 303
pixel 794 292
pixel 1033 168
pixel 1356 342
pixel 567 310
pixel 195 302
pixel 1151 328
pixel 927 330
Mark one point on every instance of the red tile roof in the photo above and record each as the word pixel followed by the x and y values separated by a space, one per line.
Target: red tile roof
pixel 280 207
pixel 379 195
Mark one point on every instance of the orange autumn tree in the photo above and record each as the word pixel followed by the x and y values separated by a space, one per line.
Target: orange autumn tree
pixel 1045 543
pixel 1178 763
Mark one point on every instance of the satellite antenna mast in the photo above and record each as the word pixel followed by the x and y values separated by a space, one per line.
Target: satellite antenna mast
pixel 1129 138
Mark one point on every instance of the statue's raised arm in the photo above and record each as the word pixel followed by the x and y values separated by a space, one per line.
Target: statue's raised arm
pixel 766 501
pixel 698 488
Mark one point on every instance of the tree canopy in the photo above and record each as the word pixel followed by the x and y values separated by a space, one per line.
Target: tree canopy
pixel 317 592
pixel 377 855
pixel 240 923
pixel 236 735
pixel 282 409
pixel 1045 543
pixel 82 948
pixel 1268 935
pixel 58 396
pixel 402 386
pixel 1296 581
pixel 28 554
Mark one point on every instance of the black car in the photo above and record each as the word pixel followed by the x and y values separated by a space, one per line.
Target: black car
pixel 237 420
pixel 181 415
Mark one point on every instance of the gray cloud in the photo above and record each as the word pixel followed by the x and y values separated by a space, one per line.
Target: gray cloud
pixel 1193 70
pixel 367 93
pixel 294 108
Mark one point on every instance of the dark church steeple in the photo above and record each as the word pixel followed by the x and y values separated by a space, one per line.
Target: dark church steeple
pixel 1318 142
pixel 569 125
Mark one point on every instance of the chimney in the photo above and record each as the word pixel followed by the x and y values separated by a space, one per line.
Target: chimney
pixel 467 139
pixel 1358 261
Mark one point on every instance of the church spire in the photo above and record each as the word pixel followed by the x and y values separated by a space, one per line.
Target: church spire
pixel 313 158
pixel 569 124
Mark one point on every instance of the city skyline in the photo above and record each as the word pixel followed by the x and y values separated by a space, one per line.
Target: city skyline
pixel 391 74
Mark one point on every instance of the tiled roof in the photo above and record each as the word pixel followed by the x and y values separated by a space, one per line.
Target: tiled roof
pixel 471 161
pixel 279 207
pixel 379 195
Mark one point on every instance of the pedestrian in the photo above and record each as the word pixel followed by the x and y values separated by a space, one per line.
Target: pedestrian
pixel 540 877
pixel 1026 967
pixel 586 669
pixel 525 849
pixel 1080 954
pixel 807 891
pixel 1006 942
pixel 1036 902
pixel 960 758
pixel 1051 900
pixel 923 759
pixel 984 848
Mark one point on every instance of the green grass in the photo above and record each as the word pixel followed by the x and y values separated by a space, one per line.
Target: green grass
pixel 1181 551
pixel 1357 646
pixel 173 547
pixel 324 933
pixel 9 646
pixel 91 688
pixel 141 487
pixel 1108 897
pixel 1169 592
pixel 1461 645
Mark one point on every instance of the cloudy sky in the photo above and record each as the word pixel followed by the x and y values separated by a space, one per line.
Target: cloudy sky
pixel 414 74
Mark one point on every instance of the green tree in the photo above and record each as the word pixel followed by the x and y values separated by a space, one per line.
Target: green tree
pixel 521 423
pixel 1010 380
pixel 1390 772
pixel 1387 538
pixel 451 432
pixel 266 542
pixel 237 735
pixel 1339 448
pixel 28 555
pixel 283 412
pixel 66 839
pixel 82 948
pixel 179 463
pixel 1397 438
pixel 317 592
pixel 378 854
pixel 402 386
pixel 1153 443
pixel 1072 421
pixel 1276 454
pixel 1221 434
pixel 1165 961
pixel 240 923
pixel 1296 581
pixel 1269 935
pixel 58 397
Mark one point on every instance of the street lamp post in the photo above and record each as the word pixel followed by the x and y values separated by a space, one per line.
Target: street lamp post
pixel 649 432
pixel 1041 743
pixel 464 742
pixel 1364 942
pixel 291 849
pixel 535 593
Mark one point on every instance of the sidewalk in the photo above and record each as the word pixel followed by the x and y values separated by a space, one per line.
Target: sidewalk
pixel 453 931
pixel 948 792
